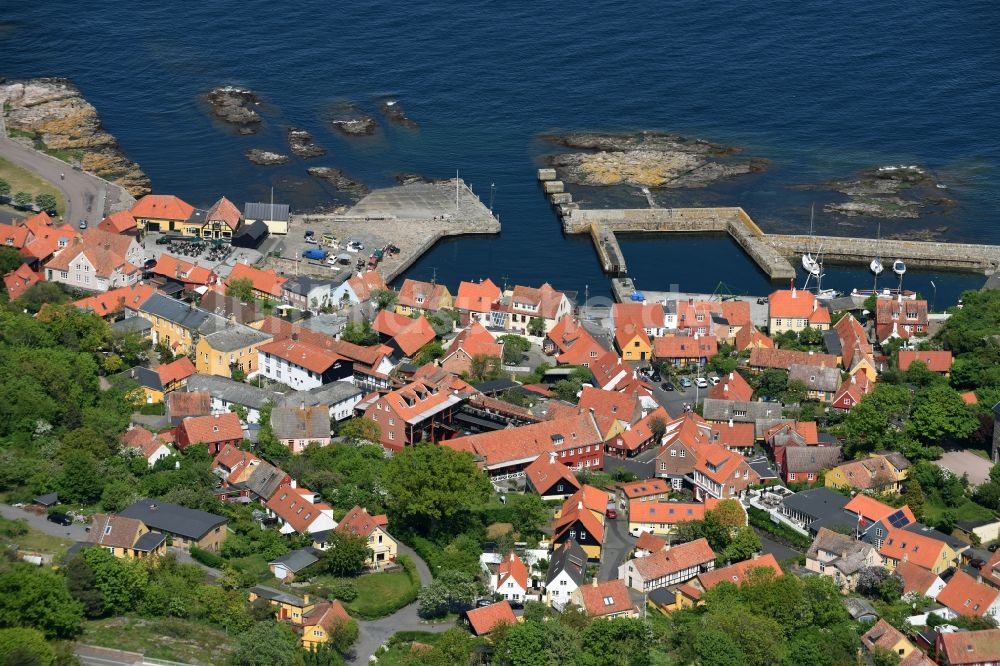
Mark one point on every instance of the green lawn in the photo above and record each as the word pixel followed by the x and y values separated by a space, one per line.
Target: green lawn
pixel 381 594
pixel 22 180
pixel 34 540
pixel 255 565
pixel 967 510
pixel 171 639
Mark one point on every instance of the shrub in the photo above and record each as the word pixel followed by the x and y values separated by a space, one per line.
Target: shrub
pixel 343 589
pixel 153 409
pixel 207 558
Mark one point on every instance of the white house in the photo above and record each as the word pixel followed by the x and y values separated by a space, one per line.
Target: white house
pixel 511 579
pixel 97 260
pixel 150 446
pixel 669 566
pixel 567 570
pixel 297 511
pixel 301 366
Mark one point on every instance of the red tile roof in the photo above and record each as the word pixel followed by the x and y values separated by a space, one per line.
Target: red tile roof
pixel 642 432
pixel 922 550
pixel 546 471
pixel 105 251
pixel 112 531
pixel 748 337
pixel 477 296
pixel 360 523
pixel 916 579
pixel 609 407
pixel 545 299
pixel 528 442
pixel 143 440
pixel 14 236
pixel 295 506
pixel 115 300
pixel 414 400
pixel 731 387
pixel 409 334
pixel 666 513
pixel 118 223
pixel 900 318
pixel 607 367
pixel 423 295
pixel 326 614
pixel 784 358
pixel 475 341
pixel 226 211
pixel 176 371
pixel 305 355
pixel 486 619
pixel 267 282
pixel 20 280
pixel 966 597
pixel 737 573
pixel 873 511
pixel 512 568
pixel 882 635
pixel 162 207
pixel 795 304
pixel 963 648
pixel 173 268
pixel 573 343
pixel 583 506
pixel 627 332
pixel 607 598
pixel 936 361
pixel 363 285
pixel 649 542
pixel 181 404
pixel 643 315
pixel 685 346
pixel 211 429
pixel 852 390
pixel 645 488
pixel 675 559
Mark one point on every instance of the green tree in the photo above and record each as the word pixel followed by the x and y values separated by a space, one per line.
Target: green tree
pixel 82 585
pixel 622 641
pixel 743 545
pixel 38 599
pixel 566 390
pixel 884 657
pixel 42 293
pixel 939 413
pixel 453 647
pixel 360 429
pixel 914 497
pixel 514 348
pixel 25 647
pixel 431 351
pixel 10 259
pixel 4 188
pixel 873 424
pixel 266 644
pixel 346 555
pixel 795 392
pixel 536 326
pixel 22 199
pixel 241 288
pixel 82 480
pixel 450 589
pixel 431 489
pixel 360 333
pixel 113 364
pixel 483 368
pixel 122 582
pixel 657 426
pixel 772 383
pixel 46 201
pixel 384 299
pixel 522 644
pixel 717 648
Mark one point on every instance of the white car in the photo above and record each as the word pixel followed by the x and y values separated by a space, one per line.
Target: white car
pixel 714 381
pixel 701 382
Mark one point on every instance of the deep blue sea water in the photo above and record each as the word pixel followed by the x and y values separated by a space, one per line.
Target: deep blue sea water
pixel 820 89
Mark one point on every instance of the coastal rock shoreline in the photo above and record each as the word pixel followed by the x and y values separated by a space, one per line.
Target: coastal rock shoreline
pixel 51 114
pixel 265 157
pixel 235 106
pixel 340 180
pixel 886 192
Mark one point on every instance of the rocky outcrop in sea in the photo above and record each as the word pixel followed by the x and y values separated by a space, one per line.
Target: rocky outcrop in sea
pixel 646 159
pixel 236 107
pixel 301 143
pixel 340 180
pixel 408 178
pixel 52 115
pixel 394 111
pixel 265 157
pixel 887 192
pixel 348 119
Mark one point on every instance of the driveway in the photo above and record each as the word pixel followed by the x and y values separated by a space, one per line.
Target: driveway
pixel 75 532
pixel 618 543
pixel 780 551
pixel 966 462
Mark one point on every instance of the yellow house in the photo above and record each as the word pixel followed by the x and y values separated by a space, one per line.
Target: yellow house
pixel 878 474
pixel 359 523
pixel 924 551
pixel 417 298
pixel 321 621
pixel 884 635
pixel 178 324
pixel 150 390
pixel 288 607
pixel 126 538
pixel 632 342
pixel 234 347
pixel 866 365
pixel 162 213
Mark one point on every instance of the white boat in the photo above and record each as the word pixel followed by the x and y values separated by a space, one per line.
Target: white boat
pixel 898 267
pixel 876 266
pixel 810 264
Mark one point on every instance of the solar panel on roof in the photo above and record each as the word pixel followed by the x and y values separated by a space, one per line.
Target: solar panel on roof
pixel 898 519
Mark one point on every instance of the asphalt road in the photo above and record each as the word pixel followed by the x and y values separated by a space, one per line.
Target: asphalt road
pixel 85 195
pixel 780 551
pixel 617 545
pixel 76 531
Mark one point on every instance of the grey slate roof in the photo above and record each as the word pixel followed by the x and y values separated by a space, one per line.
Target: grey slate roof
pixel 327 324
pixel 858 607
pixel 831 340
pixel 572 559
pixel 236 336
pixel 818 503
pixel 816 379
pixel 295 423
pixel 326 395
pixel 130 325
pixel 811 458
pixel 496 386
pixel 231 391
pixel 303 284
pixel 740 411
pixel 264 480
pixel 919 528
pixel 183 314
pixel 277 595
pixel 852 555
pixel 143 377
pixel 47 499
pixel 297 560
pixel 149 541
pixel 897 459
pixel 763 468
pixel 173 518
pixel 265 211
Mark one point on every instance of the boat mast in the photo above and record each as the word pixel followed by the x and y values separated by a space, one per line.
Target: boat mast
pixel 878 258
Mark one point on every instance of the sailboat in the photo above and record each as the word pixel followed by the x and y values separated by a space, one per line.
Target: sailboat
pixel 809 263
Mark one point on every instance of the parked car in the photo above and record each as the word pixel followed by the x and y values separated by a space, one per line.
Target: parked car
pixel 150 263
pixel 355 246
pixel 667 386
pixel 977 563
pixel 714 381
pixel 993 547
pixel 310 236
pixel 611 513
pixel 60 519
pixel 701 382
pixel 685 382
pixel 316 254
pixel 83 224
pixel 483 603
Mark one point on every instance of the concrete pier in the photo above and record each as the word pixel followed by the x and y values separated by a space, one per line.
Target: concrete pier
pixel 546 174
pixel 770 251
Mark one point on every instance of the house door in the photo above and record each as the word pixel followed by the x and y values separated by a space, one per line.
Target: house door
pixel 642 356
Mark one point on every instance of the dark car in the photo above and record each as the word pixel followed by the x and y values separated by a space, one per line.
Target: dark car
pixel 993 547
pixel 977 563
pixel 655 376
pixel 612 514
pixel 60 519
pixel 667 386
pixel 150 263
pixel 483 603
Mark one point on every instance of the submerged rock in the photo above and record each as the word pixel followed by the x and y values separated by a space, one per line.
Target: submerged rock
pixel 350 120
pixel 393 110
pixel 340 180
pixel 301 143
pixel 54 116
pixel 878 192
pixel 646 159
pixel 236 107
pixel 407 178
pixel 265 157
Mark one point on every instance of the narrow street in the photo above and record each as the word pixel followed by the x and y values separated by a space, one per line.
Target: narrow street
pixel 618 543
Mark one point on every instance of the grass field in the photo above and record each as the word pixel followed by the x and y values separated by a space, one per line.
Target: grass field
pixel 171 639
pixel 380 594
pixel 967 510
pixel 33 540
pixel 22 180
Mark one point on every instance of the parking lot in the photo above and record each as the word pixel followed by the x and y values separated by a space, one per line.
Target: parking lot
pixel 966 462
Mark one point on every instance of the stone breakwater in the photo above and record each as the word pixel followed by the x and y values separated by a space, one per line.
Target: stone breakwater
pixel 51 115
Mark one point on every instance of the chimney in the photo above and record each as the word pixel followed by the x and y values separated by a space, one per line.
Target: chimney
pixel 730 423
pixel 295 337
pixel 756 555
pixel 595 581
pixel 731 376
pixel 815 304
pixel 512 556
pixel 793 291
pixel 552 457
pixel 305 598
pixel 579 505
